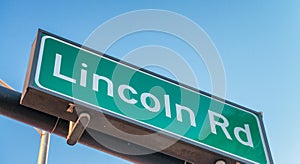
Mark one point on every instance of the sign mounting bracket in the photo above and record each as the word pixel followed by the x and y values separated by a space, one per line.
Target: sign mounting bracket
pixel 77 128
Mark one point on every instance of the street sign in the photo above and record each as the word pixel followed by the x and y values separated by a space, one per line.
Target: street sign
pixel 69 72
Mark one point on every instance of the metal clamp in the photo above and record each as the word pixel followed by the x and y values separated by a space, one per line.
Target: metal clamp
pixel 77 128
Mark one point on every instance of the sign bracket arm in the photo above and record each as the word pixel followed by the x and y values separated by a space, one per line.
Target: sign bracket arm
pixel 77 128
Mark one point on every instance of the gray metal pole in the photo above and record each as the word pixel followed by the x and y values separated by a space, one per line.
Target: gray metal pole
pixel 10 107
pixel 44 147
pixel 45 136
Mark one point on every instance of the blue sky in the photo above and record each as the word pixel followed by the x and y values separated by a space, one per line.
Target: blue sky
pixel 258 42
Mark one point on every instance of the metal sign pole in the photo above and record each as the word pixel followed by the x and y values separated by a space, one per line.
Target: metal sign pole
pixel 45 136
pixel 44 146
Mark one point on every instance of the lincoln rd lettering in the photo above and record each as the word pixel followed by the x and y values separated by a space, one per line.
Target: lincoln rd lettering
pixel 215 119
pixel 150 100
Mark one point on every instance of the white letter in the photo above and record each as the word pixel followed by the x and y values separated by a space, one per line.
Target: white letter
pixel 213 123
pixel 83 75
pixel 156 106
pixel 167 105
pixel 237 130
pixel 179 109
pixel 56 72
pixel 121 93
pixel 109 84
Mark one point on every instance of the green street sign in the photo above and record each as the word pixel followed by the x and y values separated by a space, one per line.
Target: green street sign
pixel 68 71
